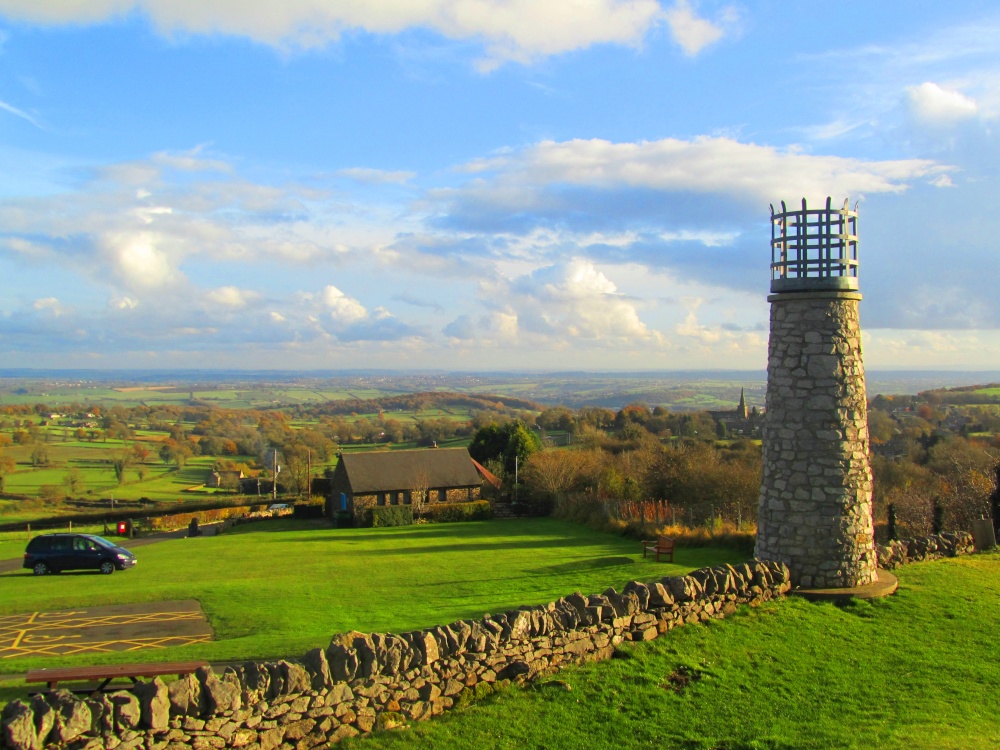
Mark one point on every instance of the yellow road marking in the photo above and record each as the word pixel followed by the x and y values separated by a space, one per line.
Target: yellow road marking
pixel 130 644
pixel 26 634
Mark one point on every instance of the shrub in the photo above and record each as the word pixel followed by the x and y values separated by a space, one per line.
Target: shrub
pixel 391 515
pixel 307 510
pixel 478 510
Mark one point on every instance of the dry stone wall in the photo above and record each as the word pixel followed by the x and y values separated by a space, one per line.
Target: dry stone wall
pixel 815 511
pixel 902 551
pixel 366 681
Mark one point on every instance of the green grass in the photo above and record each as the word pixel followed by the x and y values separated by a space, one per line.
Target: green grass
pixel 280 588
pixel 917 670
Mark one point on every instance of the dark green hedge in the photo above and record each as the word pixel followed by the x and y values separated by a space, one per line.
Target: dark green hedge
pixel 391 515
pixel 479 510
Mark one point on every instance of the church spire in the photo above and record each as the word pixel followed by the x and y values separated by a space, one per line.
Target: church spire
pixel 742 408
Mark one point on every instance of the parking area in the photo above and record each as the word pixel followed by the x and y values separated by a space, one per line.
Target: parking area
pixel 129 627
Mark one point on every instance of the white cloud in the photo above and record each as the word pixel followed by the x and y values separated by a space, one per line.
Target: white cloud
pixel 934 105
pixel 231 296
pixel 190 161
pixel 343 309
pixel 722 166
pixel 691 328
pixel 942 181
pixel 48 303
pixel 691 32
pixel 19 113
pixel 369 176
pixel 915 349
pixel 573 299
pixel 124 303
pixel 511 30
pixel 138 261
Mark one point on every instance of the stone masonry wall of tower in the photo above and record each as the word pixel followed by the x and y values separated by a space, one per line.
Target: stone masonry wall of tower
pixel 815 512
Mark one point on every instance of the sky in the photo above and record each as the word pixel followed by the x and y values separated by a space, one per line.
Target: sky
pixel 486 184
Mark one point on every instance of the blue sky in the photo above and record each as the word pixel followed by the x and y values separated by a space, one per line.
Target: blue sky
pixel 485 184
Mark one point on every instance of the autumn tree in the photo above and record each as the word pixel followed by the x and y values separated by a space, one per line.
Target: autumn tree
pixel 7 467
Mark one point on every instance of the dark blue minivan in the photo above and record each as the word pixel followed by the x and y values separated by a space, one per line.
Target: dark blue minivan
pixel 52 553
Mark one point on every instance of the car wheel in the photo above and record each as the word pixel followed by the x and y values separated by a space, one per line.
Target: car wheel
pixel 40 569
pixel 107 567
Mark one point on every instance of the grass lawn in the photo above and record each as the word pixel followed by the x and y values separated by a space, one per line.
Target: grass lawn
pixel 279 588
pixel 917 670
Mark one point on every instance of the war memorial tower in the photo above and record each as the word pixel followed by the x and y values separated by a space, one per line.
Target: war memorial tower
pixel 815 512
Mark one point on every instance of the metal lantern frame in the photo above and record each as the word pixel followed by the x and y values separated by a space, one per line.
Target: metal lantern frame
pixel 814 249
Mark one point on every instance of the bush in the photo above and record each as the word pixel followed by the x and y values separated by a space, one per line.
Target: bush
pixel 478 510
pixel 391 515
pixel 307 510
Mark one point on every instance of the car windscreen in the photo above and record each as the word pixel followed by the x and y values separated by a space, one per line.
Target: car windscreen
pixel 104 542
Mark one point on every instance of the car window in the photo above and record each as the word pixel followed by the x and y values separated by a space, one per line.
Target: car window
pixel 62 543
pixel 82 544
pixel 40 544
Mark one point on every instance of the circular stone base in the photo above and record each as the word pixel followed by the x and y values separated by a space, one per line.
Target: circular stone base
pixel 886 584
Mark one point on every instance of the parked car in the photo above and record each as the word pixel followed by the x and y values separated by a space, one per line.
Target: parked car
pixel 53 553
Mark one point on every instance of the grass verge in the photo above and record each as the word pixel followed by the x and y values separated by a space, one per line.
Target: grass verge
pixel 279 588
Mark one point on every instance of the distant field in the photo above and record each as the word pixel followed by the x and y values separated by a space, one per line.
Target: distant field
pixel 577 390
pixel 230 398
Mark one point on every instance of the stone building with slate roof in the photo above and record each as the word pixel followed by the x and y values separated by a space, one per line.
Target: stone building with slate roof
pixel 364 480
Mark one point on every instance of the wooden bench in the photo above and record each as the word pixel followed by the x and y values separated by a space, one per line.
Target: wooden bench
pixel 663 545
pixel 111 672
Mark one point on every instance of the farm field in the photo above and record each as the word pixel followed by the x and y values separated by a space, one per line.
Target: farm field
pixel 918 670
pixel 279 588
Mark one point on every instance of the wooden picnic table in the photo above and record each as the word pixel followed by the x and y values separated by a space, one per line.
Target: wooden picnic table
pixel 110 672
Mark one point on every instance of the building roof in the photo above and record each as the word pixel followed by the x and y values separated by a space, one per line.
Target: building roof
pixel 379 471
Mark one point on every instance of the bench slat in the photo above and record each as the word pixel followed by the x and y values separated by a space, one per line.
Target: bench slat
pixel 111 671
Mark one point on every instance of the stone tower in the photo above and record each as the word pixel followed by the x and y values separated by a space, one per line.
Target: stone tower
pixel 815 512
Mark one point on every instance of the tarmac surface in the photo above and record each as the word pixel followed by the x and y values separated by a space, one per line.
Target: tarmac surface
pixel 127 627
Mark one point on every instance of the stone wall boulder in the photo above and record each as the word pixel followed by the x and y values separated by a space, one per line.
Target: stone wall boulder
pixel 218 695
pixel 316 664
pixel 154 704
pixel 184 695
pixel 19 731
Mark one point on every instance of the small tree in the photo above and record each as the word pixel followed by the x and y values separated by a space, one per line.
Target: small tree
pixel 418 492
pixel 511 442
pixel 73 481
pixel 40 456
pixel 120 461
